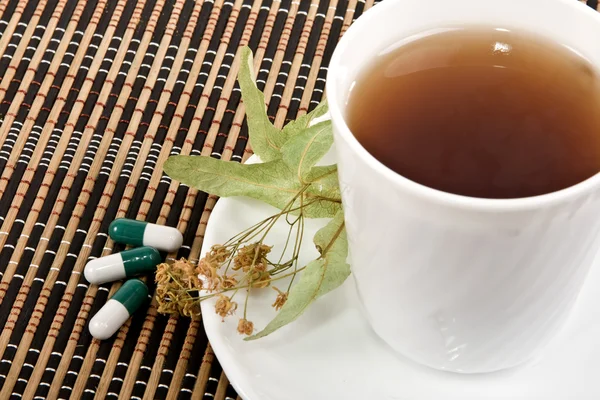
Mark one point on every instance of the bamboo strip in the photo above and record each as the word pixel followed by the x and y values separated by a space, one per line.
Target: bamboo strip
pixel 282 109
pixel 222 387
pixel 212 199
pixel 318 56
pixel 113 121
pixel 312 78
pixel 73 223
pixel 226 92
pixel 10 29
pixel 349 17
pixel 160 359
pixel 3 5
pixel 281 48
pixel 157 173
pixel 206 151
pixel 220 110
pixel 203 373
pixel 184 356
pixel 18 56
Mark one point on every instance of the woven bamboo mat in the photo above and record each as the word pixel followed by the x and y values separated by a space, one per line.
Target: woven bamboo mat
pixel 94 96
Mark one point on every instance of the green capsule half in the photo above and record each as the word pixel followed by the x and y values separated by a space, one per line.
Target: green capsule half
pixel 141 233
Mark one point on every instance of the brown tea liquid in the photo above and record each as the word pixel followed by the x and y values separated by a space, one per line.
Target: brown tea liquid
pixel 481 112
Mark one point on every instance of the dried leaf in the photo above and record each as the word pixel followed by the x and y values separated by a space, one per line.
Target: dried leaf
pixel 303 122
pixel 320 276
pixel 272 182
pixel 265 138
pixel 303 150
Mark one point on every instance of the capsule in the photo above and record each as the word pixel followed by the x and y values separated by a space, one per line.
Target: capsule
pixel 118 309
pixel 141 233
pixel 125 264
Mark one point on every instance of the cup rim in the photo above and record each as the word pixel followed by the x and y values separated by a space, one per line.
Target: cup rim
pixel 415 188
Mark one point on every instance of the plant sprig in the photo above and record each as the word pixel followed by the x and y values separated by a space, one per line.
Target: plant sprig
pixel 288 179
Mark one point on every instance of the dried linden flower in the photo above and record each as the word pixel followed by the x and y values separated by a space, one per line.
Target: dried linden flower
pixel 280 300
pixel 218 253
pixel 261 279
pixel 208 270
pixel 252 254
pixel 188 273
pixel 191 308
pixel 228 282
pixel 225 306
pixel 245 327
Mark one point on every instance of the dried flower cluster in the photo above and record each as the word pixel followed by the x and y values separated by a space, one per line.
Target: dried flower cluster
pixel 176 284
pixel 244 264
pixel 224 269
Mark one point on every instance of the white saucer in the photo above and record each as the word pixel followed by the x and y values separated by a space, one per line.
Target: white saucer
pixel 331 352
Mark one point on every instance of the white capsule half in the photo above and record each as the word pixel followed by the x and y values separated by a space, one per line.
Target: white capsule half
pixel 162 237
pixel 105 269
pixel 108 320
pixel 118 309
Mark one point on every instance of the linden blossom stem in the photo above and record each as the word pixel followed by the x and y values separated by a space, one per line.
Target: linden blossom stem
pixel 300 234
pixel 246 301
pixel 287 241
pixel 253 231
pixel 263 228
pixel 257 225
pixel 286 212
pixel 202 298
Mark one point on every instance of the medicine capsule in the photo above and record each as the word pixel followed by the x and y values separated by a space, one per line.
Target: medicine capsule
pixel 118 309
pixel 125 264
pixel 140 233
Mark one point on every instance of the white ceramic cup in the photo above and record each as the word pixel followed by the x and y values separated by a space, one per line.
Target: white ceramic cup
pixel 458 283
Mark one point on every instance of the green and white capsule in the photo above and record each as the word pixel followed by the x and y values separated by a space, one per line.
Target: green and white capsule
pixel 140 233
pixel 118 309
pixel 128 263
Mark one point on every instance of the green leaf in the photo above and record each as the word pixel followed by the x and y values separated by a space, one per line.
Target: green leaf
pixel 301 123
pixel 320 276
pixel 302 151
pixel 272 182
pixel 265 138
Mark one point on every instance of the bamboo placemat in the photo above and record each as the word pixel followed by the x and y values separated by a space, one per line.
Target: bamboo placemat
pixel 94 96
